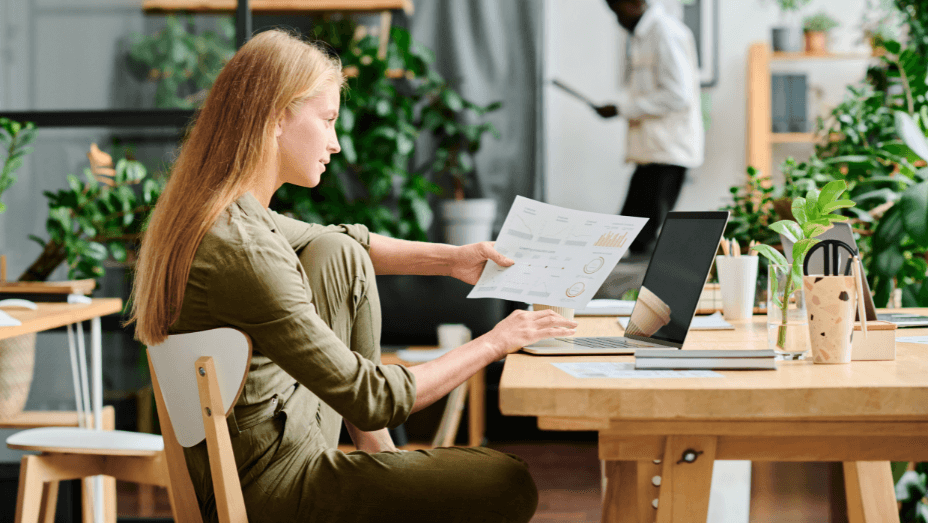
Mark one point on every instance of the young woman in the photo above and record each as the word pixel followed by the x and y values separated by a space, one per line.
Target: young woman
pixel 214 255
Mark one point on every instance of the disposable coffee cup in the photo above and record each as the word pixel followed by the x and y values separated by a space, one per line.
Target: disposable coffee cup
pixel 566 312
pixel 738 282
pixel 831 303
pixel 650 314
pixel 452 335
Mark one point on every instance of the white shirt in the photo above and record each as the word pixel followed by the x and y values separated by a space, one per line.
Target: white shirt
pixel 660 98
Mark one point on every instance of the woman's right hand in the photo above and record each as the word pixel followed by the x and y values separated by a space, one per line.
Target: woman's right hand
pixel 523 328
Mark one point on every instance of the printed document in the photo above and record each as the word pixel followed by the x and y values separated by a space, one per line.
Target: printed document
pixel 603 369
pixel 562 256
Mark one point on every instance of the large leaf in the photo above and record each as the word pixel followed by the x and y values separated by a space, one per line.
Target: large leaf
pixel 775 256
pixel 914 204
pixel 799 210
pixel 911 134
pixel 802 247
pixel 911 487
pixel 889 261
pixel 789 229
pixel 830 192
pixel 890 230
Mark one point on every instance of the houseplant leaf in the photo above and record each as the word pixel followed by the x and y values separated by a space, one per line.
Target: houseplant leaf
pixel 914 205
pixel 911 134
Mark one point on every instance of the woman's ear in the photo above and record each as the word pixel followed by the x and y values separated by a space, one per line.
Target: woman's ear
pixel 278 128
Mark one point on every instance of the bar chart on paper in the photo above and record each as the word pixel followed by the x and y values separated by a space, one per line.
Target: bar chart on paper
pixel 562 256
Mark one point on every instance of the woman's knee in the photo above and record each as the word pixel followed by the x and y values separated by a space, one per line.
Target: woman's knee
pixel 336 261
pixel 510 484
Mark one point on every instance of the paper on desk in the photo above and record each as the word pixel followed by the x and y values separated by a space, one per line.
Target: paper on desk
pixel 913 339
pixel 562 256
pixel 602 307
pixel 8 321
pixel 713 322
pixel 609 369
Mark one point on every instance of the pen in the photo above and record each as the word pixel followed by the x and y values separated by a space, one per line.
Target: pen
pixel 735 248
pixel 725 247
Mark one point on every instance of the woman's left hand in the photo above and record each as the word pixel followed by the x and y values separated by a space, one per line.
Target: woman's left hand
pixel 468 261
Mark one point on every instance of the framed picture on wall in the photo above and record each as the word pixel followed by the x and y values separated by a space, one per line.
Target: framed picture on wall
pixel 702 17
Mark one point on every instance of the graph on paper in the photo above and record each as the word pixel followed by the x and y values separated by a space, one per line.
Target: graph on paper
pixel 562 256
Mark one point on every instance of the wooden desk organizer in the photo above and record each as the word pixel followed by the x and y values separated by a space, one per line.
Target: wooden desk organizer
pixel 880 343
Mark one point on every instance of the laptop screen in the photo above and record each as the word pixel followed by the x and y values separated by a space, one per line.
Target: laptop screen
pixel 676 275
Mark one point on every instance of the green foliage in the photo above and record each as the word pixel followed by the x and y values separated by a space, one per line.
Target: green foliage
pixel 819 22
pixel 813 214
pixel 184 64
pixel 391 103
pixel 911 492
pixel 90 221
pixel 792 5
pixel 15 138
pixel 751 211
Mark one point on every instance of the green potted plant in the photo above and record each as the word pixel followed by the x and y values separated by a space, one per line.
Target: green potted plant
pixel 816 28
pixel 786 36
pixel 787 331
pixel 15 138
pixel 392 102
pixel 183 63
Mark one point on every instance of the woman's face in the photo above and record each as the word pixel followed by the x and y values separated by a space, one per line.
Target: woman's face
pixel 307 140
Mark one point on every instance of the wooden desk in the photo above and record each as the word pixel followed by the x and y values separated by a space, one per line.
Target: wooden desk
pixel 52 315
pixel 863 414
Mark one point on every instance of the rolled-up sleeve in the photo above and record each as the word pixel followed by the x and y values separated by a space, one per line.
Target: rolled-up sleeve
pixel 300 233
pixel 259 289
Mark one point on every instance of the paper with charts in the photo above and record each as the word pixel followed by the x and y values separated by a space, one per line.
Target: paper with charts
pixel 562 256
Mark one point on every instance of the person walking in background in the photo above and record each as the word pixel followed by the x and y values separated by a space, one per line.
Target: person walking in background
pixel 660 99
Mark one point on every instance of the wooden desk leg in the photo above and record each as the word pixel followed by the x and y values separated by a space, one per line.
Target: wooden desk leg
pixel 871 496
pixel 685 486
pixel 476 413
pixel 629 490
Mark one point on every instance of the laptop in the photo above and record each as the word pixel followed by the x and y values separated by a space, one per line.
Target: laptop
pixel 669 293
pixel 842 231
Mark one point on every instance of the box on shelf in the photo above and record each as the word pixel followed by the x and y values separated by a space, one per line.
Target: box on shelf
pixel 880 343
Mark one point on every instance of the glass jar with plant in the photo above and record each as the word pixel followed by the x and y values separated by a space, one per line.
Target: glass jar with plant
pixel 787 36
pixel 14 139
pixel 787 325
pixel 816 28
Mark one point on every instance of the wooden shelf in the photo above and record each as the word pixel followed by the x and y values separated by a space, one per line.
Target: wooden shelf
pixel 781 56
pixel 276 6
pixel 793 138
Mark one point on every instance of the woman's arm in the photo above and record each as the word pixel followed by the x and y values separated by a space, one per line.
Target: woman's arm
pixel 393 256
pixel 436 378
pixel 376 441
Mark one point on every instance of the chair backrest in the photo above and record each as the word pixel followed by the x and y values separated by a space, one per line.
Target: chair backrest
pixel 173 363
pixel 197 378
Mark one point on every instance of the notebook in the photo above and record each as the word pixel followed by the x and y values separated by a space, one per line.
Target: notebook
pixel 669 293
pixel 705 359
pixel 842 231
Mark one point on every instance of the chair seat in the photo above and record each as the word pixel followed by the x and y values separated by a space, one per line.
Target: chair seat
pixel 71 440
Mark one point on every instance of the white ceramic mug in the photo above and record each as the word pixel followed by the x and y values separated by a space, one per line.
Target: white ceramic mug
pixel 566 312
pixel 452 335
pixel 738 282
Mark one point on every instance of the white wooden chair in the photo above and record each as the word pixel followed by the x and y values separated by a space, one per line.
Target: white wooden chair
pixel 67 453
pixel 212 366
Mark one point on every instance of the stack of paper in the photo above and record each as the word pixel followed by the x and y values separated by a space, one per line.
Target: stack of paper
pixel 704 359
pixel 713 322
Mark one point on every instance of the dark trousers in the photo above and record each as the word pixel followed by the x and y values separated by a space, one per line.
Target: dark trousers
pixel 652 194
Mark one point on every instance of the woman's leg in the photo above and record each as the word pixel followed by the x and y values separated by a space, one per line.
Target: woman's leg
pixel 447 485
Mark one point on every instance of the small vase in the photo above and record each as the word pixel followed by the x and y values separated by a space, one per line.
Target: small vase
pixel 787 327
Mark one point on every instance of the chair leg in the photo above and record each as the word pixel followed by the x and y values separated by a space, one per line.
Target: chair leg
pixel 49 502
pixel 87 500
pixel 29 496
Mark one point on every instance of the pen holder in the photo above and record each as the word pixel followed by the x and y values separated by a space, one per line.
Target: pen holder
pixel 831 303
pixel 738 280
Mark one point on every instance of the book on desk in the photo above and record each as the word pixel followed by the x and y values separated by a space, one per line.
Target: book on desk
pixel 675 359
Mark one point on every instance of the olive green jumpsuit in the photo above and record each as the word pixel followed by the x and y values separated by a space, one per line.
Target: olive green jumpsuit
pixel 307 297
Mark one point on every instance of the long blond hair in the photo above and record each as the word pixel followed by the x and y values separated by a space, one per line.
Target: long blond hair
pixel 227 149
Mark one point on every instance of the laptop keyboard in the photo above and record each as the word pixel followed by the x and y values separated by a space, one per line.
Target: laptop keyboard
pixel 606 342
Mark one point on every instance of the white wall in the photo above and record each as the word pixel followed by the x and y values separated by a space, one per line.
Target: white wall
pixel 584 165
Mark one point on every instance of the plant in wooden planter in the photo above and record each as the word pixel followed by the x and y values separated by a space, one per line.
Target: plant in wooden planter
pixel 816 28
pixel 94 219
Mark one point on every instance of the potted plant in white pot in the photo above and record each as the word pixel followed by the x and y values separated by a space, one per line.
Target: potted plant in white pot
pixel 787 36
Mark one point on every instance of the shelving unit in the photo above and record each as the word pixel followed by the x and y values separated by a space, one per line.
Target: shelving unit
pixel 760 135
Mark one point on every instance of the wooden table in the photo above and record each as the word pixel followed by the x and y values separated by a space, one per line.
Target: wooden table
pixel 50 316
pixel 863 414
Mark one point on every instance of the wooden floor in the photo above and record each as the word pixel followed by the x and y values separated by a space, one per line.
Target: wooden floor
pixel 567 474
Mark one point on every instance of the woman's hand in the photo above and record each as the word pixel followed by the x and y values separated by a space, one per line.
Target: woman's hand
pixel 523 328
pixel 467 261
